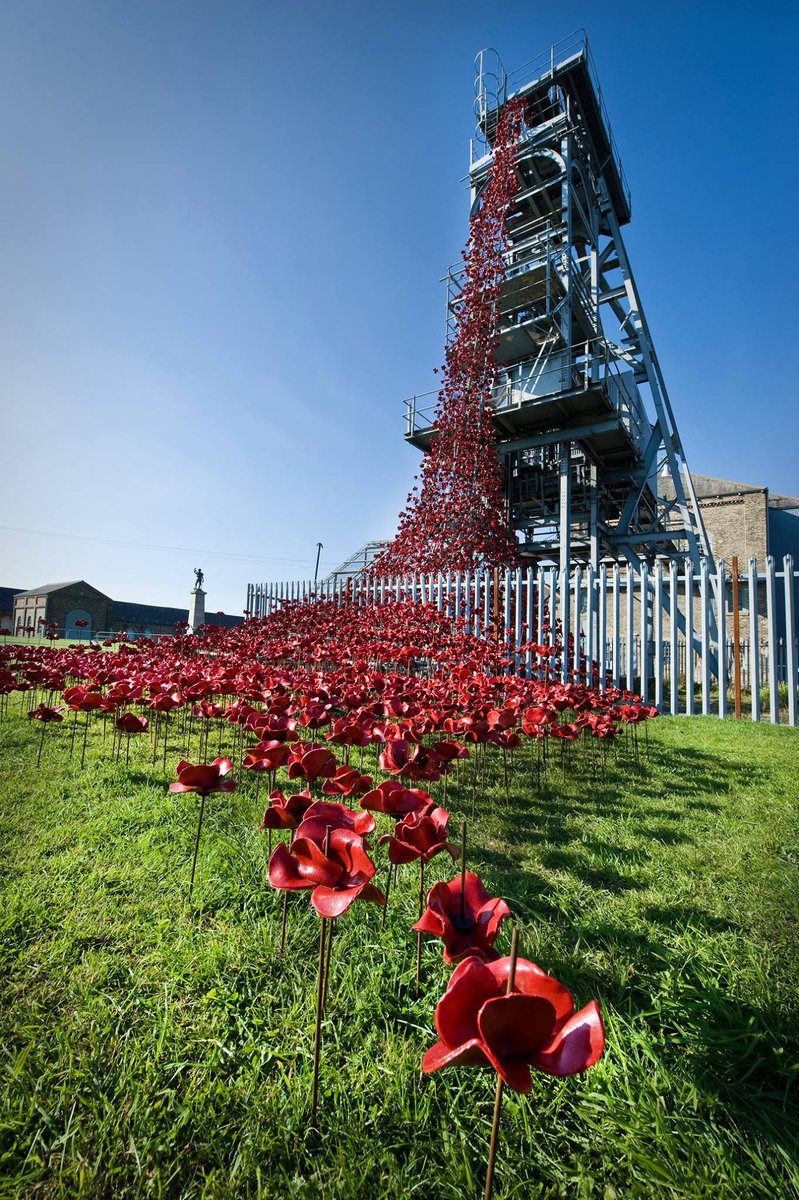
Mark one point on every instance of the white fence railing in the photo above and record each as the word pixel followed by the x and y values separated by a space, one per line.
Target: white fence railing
pixel 653 629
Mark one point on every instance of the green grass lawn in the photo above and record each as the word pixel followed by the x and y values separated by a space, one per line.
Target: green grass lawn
pixel 152 1047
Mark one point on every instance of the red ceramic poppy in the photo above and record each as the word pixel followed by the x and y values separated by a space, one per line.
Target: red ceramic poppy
pixel 286 812
pixel 310 762
pixel 324 814
pixel 417 763
pixel 338 878
pixel 392 798
pixel 130 723
pixel 46 714
pixel 420 835
pixel 466 930
pixel 347 782
pixel 535 1026
pixel 266 756
pixel 204 778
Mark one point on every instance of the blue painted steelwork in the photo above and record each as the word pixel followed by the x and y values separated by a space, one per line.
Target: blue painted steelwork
pixel 585 425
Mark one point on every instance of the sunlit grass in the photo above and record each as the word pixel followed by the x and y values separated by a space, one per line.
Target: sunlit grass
pixel 152 1047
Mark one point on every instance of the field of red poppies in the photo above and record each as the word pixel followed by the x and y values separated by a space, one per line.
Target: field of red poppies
pixel 307 907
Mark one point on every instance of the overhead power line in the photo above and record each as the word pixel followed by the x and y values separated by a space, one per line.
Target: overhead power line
pixel 78 537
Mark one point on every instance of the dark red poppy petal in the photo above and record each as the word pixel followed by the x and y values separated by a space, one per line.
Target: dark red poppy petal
pixel 470 1054
pixel 283 873
pixel 577 1045
pixel 516 1026
pixel 332 902
pixel 430 922
pixel 471 985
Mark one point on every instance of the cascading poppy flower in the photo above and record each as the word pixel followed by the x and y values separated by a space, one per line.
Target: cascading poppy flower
pixel 466 919
pixel 392 798
pixel 536 721
pixel 349 732
pixel 449 751
pixel 420 835
pixel 479 1024
pixel 338 877
pixel 165 702
pixel 81 700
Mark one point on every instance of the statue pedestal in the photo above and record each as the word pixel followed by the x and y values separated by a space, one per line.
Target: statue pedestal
pixel 196 609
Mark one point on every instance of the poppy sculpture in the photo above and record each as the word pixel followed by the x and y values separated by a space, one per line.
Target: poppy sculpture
pixel 339 875
pixel 392 798
pixel 465 917
pixel 420 835
pixel 285 812
pixel 47 716
pixel 480 1023
pixel 202 778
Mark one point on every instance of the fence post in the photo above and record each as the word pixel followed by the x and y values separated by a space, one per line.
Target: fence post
pixel 528 616
pixel 630 632
pixel 689 640
pixel 577 625
pixel 590 625
pixel 736 635
pixel 517 621
pixel 771 619
pixel 721 625
pixel 704 627
pixel 603 627
pixel 564 583
pixel 790 638
pixel 643 663
pixel 616 630
pixel 674 643
pixel 658 632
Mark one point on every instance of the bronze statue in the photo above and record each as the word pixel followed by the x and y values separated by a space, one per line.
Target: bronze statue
pixel 198 579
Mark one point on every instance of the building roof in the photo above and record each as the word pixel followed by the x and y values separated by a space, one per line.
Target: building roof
pixel 7 598
pixel 122 612
pixel 48 588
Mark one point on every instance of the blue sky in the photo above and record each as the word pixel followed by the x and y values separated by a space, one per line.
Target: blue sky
pixel 223 226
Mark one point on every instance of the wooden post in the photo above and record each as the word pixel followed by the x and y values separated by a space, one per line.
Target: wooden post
pixel 736 636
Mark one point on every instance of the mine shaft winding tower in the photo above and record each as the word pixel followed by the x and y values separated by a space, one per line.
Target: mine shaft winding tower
pixel 593 461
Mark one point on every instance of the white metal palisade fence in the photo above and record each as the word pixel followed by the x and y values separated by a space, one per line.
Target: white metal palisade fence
pixel 619 618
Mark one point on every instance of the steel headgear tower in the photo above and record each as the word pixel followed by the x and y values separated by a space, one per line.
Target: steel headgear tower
pixel 586 432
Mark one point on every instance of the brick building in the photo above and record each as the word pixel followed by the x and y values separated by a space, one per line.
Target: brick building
pixel 746 521
pixel 63 604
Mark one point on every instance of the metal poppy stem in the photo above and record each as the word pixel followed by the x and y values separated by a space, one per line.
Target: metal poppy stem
pixel 492 1149
pixel 283 922
pixel 83 747
pixel 419 936
pixel 327 963
pixel 463 871
pixel 388 893
pixel 320 1004
pixel 197 843
pixel 41 744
